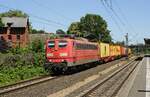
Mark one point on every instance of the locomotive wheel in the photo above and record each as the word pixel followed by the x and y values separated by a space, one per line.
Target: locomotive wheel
pixel 64 70
pixel 56 70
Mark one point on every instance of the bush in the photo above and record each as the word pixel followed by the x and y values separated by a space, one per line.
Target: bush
pixel 39 59
pixel 19 50
pixel 37 46
pixel 18 67
pixel 22 63
pixel 12 61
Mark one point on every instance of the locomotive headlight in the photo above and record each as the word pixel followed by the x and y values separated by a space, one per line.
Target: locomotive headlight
pixel 63 54
pixel 49 54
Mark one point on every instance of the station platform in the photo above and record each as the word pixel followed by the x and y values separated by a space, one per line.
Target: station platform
pixel 138 84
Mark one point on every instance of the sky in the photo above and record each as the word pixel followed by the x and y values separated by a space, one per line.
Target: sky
pixel 122 16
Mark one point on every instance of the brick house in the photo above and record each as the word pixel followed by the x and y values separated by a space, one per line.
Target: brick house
pixel 15 31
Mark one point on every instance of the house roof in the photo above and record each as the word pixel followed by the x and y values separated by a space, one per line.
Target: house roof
pixel 16 21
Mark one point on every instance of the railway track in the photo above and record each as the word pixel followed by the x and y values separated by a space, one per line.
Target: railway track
pixel 23 84
pixel 110 86
pixel 26 83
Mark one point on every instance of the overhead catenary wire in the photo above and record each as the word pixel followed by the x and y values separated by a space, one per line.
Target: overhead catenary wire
pixel 44 25
pixel 124 22
pixel 43 22
pixel 35 16
pixel 122 14
pixel 125 19
pixel 112 17
pixel 115 14
pixel 113 11
pixel 47 20
pixel 44 6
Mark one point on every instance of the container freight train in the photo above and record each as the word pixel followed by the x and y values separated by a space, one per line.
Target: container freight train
pixel 64 53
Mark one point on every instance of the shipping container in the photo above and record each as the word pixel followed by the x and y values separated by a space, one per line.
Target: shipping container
pixel 123 51
pixel 117 50
pixel 112 50
pixel 104 50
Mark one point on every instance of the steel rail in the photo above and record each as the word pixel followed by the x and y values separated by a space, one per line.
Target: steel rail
pixel 94 87
pixel 26 83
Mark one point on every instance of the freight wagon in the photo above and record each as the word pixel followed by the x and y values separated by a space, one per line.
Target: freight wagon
pixel 104 51
pixel 117 51
pixel 112 51
pixel 123 51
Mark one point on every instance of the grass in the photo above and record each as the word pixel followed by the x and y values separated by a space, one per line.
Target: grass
pixel 13 75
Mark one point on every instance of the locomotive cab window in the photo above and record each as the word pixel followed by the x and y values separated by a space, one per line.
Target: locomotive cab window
pixel 62 43
pixel 51 44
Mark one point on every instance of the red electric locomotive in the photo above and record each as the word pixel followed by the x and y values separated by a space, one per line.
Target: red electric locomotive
pixel 64 53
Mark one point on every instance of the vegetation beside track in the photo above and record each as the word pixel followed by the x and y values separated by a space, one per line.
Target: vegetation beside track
pixel 22 63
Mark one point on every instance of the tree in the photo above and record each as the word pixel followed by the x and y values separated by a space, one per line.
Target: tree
pixel 37 45
pixel 75 29
pixel 35 31
pixel 60 31
pixel 120 43
pixel 13 13
pixel 91 25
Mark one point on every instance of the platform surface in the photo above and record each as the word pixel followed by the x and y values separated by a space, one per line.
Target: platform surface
pixel 141 84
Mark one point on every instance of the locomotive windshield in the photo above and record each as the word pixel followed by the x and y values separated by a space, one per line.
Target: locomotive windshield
pixel 51 44
pixel 62 43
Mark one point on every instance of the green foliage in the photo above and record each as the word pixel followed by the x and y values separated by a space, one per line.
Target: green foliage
pixel 53 36
pixel 120 43
pixel 38 59
pixel 16 67
pixel 1 24
pixel 19 50
pixel 91 25
pixel 22 63
pixel 14 60
pixel 60 31
pixel 75 28
pixel 37 46
pixel 35 31
pixel 106 37
pixel 12 75
pixel 13 13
